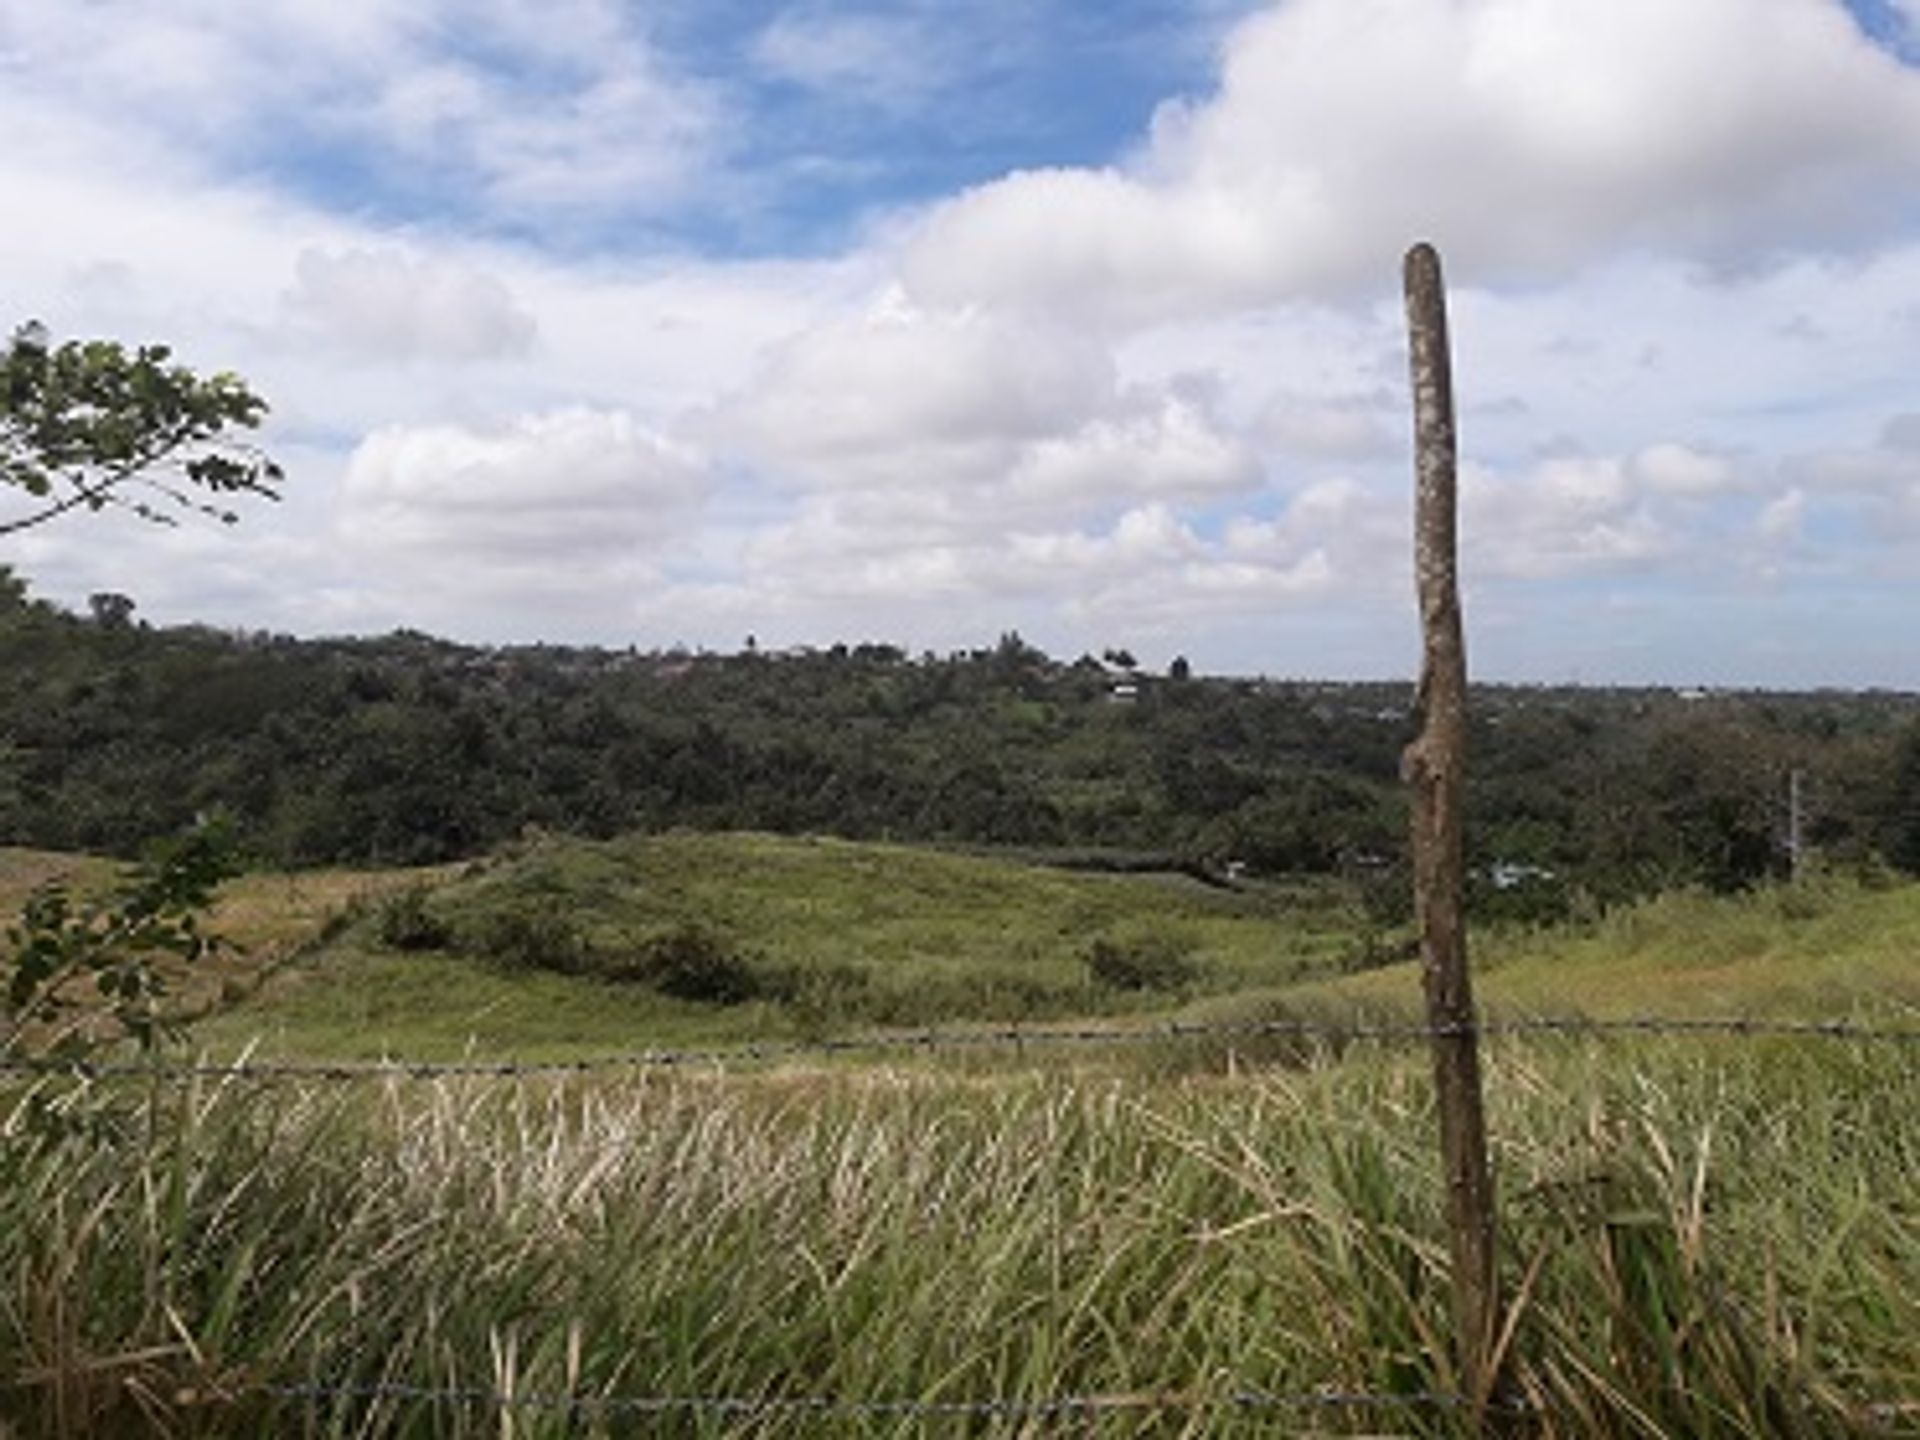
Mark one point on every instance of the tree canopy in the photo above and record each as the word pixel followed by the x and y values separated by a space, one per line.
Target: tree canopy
pixel 406 750
pixel 89 424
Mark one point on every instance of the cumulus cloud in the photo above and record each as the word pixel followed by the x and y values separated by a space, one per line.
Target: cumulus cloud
pixel 541 112
pixel 389 306
pixel 1525 136
pixel 853 400
pixel 556 499
pixel 1569 514
pixel 986 416
pixel 1078 402
pixel 1162 446
pixel 1149 567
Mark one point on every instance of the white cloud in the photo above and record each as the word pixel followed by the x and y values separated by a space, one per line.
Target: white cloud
pixel 1524 136
pixel 872 397
pixel 938 437
pixel 537 113
pixel 1568 515
pixel 552 497
pixel 882 61
pixel 1162 446
pixel 386 305
pixel 1678 470
pixel 984 415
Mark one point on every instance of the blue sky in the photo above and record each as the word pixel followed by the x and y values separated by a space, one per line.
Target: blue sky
pixel 818 118
pixel 675 322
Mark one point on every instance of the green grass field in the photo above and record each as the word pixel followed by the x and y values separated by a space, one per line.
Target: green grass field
pixel 856 934
pixel 1702 1236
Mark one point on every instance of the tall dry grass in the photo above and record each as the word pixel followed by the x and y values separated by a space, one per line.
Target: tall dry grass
pixel 1703 1238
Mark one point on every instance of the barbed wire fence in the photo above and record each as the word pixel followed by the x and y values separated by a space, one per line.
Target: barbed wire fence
pixel 1017 1038
pixel 1023 1041
pixel 590 1406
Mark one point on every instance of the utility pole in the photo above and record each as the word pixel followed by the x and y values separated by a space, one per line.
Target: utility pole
pixel 1434 769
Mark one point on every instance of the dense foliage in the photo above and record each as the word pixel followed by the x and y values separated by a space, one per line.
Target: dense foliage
pixel 89 424
pixel 406 749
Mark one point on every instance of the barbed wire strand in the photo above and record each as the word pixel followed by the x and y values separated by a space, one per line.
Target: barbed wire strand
pixel 1241 1399
pixel 1001 1037
pixel 1877 1412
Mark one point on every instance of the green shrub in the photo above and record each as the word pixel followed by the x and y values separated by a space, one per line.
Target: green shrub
pixel 1151 960
pixel 693 962
pixel 404 922
pixel 541 936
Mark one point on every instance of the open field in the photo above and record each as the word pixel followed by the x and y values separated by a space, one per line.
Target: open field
pixel 1826 949
pixel 1711 1236
pixel 911 1235
pixel 873 936
pixel 878 936
pixel 836 934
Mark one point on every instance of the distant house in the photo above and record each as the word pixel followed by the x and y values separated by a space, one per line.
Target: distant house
pixel 1509 874
pixel 1124 693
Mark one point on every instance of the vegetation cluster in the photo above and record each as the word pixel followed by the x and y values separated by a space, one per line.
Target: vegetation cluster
pixel 746 935
pixel 247 1260
pixel 409 750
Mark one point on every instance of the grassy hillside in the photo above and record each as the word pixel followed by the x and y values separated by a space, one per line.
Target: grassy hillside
pixel 549 948
pixel 1827 948
pixel 189 1260
pixel 544 949
pixel 265 917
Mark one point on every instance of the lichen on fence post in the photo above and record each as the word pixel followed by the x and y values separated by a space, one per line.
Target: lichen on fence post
pixel 1434 769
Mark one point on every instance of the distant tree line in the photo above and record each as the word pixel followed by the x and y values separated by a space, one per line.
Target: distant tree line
pixel 405 749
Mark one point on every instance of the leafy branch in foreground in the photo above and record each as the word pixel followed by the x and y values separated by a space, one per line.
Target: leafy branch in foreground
pixel 61 944
pixel 88 424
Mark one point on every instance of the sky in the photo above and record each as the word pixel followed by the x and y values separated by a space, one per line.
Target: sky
pixel 674 322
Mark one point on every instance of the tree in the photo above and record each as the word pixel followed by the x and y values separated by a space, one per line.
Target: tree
pixel 1901 823
pixel 111 610
pixel 88 424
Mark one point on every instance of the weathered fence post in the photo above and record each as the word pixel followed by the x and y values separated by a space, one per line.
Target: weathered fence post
pixel 1433 767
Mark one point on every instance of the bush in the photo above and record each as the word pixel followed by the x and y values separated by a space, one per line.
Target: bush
pixel 692 962
pixel 539 937
pixel 1155 960
pixel 404 922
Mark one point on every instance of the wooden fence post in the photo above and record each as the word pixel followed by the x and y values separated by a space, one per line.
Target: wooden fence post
pixel 1433 767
